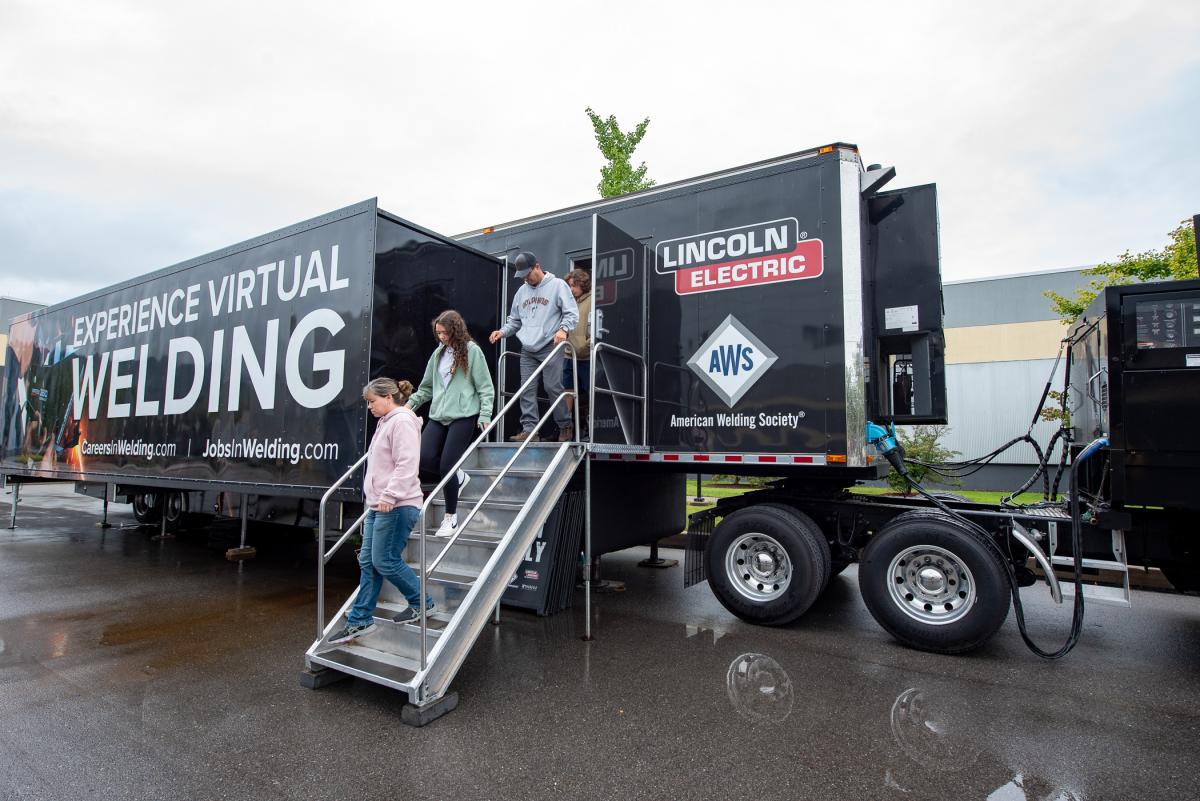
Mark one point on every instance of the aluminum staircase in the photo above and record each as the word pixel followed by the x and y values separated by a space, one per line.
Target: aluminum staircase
pixel 512 491
pixel 471 572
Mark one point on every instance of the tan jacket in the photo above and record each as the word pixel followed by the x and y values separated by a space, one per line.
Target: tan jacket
pixel 579 338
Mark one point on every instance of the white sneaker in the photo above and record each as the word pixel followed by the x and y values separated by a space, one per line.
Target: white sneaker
pixel 446 529
pixel 463 477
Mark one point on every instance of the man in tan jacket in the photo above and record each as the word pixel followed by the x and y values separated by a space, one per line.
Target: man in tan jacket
pixel 580 282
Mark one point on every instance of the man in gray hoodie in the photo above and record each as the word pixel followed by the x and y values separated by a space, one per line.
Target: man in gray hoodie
pixel 543 313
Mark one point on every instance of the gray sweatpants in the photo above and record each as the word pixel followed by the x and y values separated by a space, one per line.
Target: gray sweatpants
pixel 551 378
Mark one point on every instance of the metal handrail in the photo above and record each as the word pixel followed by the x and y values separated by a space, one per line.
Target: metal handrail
pixel 453 471
pixel 323 555
pixel 593 389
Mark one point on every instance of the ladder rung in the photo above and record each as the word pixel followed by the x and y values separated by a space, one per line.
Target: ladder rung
pixel 1093 564
pixel 1113 596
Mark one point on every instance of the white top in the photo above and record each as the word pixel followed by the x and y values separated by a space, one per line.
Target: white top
pixel 446 366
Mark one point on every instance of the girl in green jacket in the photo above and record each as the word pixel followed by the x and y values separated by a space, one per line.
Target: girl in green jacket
pixel 460 387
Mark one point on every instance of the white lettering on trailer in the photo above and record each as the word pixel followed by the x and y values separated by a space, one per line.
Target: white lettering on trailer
pixel 189 345
pixel 262 375
pixel 118 382
pixel 143 407
pixel 331 362
pixel 232 293
pixel 716 248
pixel 91 373
pixel 92 386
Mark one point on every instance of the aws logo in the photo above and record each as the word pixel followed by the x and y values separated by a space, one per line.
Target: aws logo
pixel 732 360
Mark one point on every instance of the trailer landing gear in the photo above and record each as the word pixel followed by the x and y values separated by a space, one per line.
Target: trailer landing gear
pixel 656 561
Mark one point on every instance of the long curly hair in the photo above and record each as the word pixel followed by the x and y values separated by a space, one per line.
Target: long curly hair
pixel 459 337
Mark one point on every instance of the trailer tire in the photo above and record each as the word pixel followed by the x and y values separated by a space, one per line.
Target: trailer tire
pixel 768 563
pixel 147 507
pixel 175 508
pixel 934 584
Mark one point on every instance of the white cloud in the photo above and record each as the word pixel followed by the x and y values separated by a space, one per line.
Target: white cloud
pixel 134 135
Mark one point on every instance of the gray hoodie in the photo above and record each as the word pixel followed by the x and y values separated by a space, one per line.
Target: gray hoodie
pixel 538 311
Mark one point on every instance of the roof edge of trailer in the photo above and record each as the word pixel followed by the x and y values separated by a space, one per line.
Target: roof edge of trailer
pixel 799 155
pixel 364 206
pixel 449 240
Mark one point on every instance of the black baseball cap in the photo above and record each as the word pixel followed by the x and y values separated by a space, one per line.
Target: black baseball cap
pixel 524 261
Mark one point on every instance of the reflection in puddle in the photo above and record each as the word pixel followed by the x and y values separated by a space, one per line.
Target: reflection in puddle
pixel 940 737
pixel 921 727
pixel 759 688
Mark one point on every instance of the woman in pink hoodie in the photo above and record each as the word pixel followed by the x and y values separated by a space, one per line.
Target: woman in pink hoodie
pixel 393 499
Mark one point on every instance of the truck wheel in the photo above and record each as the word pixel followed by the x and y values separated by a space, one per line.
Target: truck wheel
pixel 767 564
pixel 175 506
pixel 933 584
pixel 146 507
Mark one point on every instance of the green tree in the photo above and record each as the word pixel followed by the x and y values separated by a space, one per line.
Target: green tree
pixel 619 177
pixel 1175 261
pixel 922 444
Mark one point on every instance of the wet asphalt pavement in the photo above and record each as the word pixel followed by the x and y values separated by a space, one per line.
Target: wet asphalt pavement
pixel 134 668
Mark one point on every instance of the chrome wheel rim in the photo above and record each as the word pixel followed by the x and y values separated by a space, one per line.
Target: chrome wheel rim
pixel 931 584
pixel 758 567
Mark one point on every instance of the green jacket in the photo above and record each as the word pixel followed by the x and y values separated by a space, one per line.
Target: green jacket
pixel 468 394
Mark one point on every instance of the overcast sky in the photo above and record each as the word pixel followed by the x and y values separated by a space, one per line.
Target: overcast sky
pixel 134 135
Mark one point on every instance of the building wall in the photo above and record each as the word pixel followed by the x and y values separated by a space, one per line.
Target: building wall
pixel 10 308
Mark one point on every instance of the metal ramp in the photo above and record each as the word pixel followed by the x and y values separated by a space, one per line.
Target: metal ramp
pixel 511 493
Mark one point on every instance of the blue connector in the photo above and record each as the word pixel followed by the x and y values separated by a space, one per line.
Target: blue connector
pixel 884 439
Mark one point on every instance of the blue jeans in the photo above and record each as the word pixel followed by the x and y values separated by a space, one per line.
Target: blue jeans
pixel 381 557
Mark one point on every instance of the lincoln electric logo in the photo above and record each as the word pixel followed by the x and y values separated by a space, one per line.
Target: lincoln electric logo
pixel 761 253
pixel 732 360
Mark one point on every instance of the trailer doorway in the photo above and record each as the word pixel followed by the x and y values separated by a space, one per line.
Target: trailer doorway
pixel 618 332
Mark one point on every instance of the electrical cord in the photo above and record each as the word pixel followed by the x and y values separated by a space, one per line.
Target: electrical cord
pixel 897 461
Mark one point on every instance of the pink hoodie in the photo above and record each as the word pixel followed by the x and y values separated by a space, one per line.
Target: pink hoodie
pixel 392 460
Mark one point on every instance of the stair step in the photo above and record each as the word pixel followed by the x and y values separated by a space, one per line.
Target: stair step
pixel 386 610
pixel 447 594
pixel 373 662
pixel 1110 596
pixel 465 555
pixel 537 455
pixel 1093 564
pixel 493 518
pixel 515 470
pixel 513 487
pixel 398 639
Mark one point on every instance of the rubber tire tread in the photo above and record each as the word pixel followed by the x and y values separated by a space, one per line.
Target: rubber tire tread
pixel 802 520
pixel 151 515
pixel 807 550
pixel 993 592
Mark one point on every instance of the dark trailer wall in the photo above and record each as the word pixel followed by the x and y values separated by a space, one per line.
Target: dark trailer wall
pixel 241 370
pixel 745 356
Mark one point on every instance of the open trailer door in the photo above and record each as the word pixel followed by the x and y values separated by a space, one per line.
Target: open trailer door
pixel 618 333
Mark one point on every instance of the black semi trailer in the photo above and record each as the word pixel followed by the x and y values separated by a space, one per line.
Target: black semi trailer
pixel 766 320
pixel 231 383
